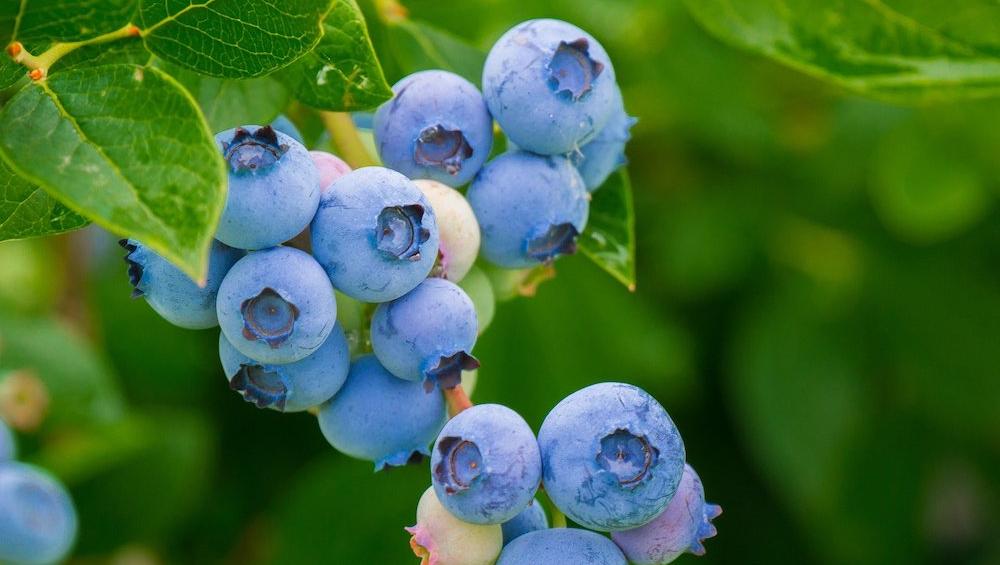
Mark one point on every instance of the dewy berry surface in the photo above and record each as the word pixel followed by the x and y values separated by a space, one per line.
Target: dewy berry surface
pixel 550 85
pixel 530 208
pixel 561 546
pixel 38 522
pixel 606 152
pixel 485 466
pixel 170 292
pixel 439 538
pixel 291 387
pixel 381 418
pixel 436 126
pixel 276 305
pixel 375 234
pixel 612 458
pixel 427 335
pixel 273 187
pixel 679 529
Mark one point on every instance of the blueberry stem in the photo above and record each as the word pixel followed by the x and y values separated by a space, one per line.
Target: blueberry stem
pixel 38 65
pixel 457 400
pixel 558 518
pixel 345 136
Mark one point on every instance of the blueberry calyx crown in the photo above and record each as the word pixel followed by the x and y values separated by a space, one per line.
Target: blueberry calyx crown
pixel 253 152
pixel 558 239
pixel 134 268
pixel 259 386
pixel 626 456
pixel 440 147
pixel 572 70
pixel 461 463
pixel 400 231
pixel 268 317
pixel 705 528
pixel 447 371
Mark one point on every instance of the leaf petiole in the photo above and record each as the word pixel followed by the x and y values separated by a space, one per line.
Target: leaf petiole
pixel 38 65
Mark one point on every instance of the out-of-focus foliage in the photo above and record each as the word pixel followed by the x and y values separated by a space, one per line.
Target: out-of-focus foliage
pixel 818 307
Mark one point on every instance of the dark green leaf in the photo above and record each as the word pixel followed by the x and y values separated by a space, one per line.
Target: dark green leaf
pixel 232 38
pixel 123 51
pixel 898 50
pixel 126 147
pixel 417 46
pixel 10 71
pixel 66 20
pixel 228 103
pixel 342 72
pixel 28 211
pixel 609 239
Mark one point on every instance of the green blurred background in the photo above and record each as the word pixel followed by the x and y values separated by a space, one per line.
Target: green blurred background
pixel 818 308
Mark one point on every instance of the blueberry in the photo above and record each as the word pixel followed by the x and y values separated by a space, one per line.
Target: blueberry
pixel 276 305
pixel 330 168
pixel 380 418
pixel 477 285
pixel 293 387
pixel 375 234
pixel 679 529
pixel 285 126
pixel 8 447
pixel 530 519
pixel 442 539
pixel 458 228
pixel 273 187
pixel 37 519
pixel 485 466
pixel 435 127
pixel 561 546
pixel 550 86
pixel 170 292
pixel 531 209
pixel 605 153
pixel 427 335
pixel 611 456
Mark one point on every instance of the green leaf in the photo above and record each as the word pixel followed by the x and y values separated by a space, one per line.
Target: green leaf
pixel 609 239
pixel 130 50
pixel 64 20
pixel 28 211
pixel 232 38
pixel 342 73
pixel 417 46
pixel 901 50
pixel 228 103
pixel 126 147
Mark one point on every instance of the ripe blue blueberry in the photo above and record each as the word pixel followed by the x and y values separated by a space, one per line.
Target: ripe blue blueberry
pixel 605 153
pixel 458 228
pixel 380 418
pixel 439 538
pixel 375 234
pixel 485 466
pixel 679 529
pixel 561 546
pixel 530 519
pixel 273 187
pixel 427 335
pixel 435 127
pixel 285 126
pixel 170 292
pixel 550 86
pixel 37 519
pixel 293 387
pixel 612 458
pixel 8 448
pixel 530 208
pixel 276 305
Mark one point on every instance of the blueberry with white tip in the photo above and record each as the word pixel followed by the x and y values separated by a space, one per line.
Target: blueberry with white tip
pixel 436 126
pixel 170 292
pixel 550 85
pixel 375 234
pixel 458 228
pixel 605 153
pixel 531 519
pixel 485 466
pixel 612 457
pixel 38 522
pixel 427 335
pixel 276 305
pixel 561 546
pixel 273 187
pixel 531 209
pixel 439 538
pixel 291 387
pixel 679 529
pixel 378 417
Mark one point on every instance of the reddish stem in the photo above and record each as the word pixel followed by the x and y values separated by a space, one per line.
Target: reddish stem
pixel 457 400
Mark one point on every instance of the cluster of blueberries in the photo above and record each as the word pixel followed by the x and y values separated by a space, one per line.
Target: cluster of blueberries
pixel 37 518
